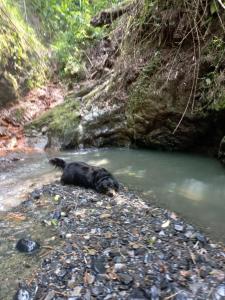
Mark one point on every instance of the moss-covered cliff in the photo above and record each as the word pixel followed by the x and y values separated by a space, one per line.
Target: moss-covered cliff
pixel 22 56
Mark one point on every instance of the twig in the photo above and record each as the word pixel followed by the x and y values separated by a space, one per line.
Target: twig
pixel 220 2
pixel 172 296
pixel 25 9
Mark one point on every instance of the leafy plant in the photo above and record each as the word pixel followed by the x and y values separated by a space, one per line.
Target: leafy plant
pixel 66 27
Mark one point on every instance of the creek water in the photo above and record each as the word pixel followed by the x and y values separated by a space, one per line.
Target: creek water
pixel 191 185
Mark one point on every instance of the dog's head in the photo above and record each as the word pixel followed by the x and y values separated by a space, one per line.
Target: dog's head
pixel 108 186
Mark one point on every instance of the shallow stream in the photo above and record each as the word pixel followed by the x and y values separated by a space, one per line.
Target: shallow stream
pixel 191 185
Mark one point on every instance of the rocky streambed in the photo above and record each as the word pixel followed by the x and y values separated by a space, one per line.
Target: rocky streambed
pixel 119 248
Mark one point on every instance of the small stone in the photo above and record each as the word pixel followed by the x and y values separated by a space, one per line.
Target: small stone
pixel 22 294
pixel 155 293
pixel 50 295
pixel 76 292
pixel 97 291
pixel 189 234
pixel 35 195
pixel 138 294
pixel 201 238
pixel 140 251
pixel 161 233
pixel 219 293
pixel 178 227
pixel 118 267
pixel 125 278
pixel 28 246
pixel 98 265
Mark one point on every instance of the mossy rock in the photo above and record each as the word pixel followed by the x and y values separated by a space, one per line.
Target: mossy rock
pixel 62 121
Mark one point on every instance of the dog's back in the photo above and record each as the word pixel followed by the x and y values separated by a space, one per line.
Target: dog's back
pixel 78 173
pixel 82 174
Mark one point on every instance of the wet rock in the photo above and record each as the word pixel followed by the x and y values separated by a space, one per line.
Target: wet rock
pixel 97 291
pixel 98 264
pixel 200 237
pixel 155 293
pixel 138 294
pixel 50 295
pixel 125 278
pixel 179 227
pixel 22 294
pixel 27 246
pixel 219 293
pixel 76 291
pixel 56 215
pixel 35 195
pixel 118 267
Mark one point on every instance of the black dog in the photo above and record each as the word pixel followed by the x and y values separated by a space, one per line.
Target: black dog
pixel 82 174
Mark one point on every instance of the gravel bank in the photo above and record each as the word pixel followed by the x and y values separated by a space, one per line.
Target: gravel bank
pixel 122 248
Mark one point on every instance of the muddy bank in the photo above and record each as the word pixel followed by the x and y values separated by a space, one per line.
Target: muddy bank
pixel 14 116
pixel 121 248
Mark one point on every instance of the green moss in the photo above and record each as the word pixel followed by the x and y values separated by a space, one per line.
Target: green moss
pixel 139 93
pixel 22 56
pixel 211 83
pixel 18 114
pixel 62 120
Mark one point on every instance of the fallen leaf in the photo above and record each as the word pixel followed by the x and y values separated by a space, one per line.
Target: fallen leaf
pixel 16 217
pixel 92 251
pixel 108 235
pixel 185 273
pixel 88 278
pixel 56 198
pixel 111 274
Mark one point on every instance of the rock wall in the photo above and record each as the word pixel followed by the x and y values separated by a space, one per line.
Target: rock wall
pixel 22 56
pixel 154 94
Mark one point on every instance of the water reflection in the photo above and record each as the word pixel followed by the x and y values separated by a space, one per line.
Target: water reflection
pixel 191 189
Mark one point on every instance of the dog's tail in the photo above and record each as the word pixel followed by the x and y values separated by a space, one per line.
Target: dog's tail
pixel 58 162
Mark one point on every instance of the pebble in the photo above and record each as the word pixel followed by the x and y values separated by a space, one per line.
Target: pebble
pixel 125 278
pixel 22 294
pixel 119 267
pixel 178 227
pixel 98 265
pixel 219 293
pixel 28 246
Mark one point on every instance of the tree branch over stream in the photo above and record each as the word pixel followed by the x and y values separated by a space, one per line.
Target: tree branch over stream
pixel 106 17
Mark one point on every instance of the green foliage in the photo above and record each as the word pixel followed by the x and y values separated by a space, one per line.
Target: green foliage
pixel 211 84
pixel 21 54
pixel 66 27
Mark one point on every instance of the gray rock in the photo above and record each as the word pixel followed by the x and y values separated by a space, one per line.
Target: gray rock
pixel 27 246
pixel 125 278
pixel 178 227
pixel 219 293
pixel 22 294
pixel 98 265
